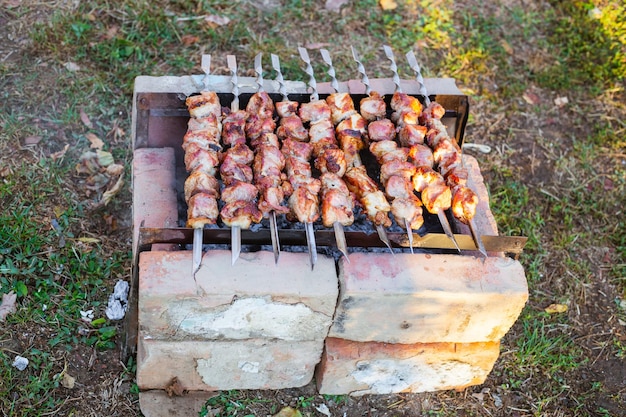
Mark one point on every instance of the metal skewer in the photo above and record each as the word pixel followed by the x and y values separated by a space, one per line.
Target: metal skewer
pixel 410 56
pixel 258 68
pixel 340 236
pixel 368 89
pixel 235 231
pixel 308 227
pixel 197 232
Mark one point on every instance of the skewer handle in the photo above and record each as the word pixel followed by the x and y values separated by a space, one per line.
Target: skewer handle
pixel 258 69
pixel 361 69
pixel 282 88
pixel 410 56
pixel 304 55
pixel 331 69
pixel 232 66
pixel 393 67
pixel 205 64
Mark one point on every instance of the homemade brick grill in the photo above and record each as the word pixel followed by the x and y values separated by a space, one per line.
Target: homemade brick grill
pixel 378 324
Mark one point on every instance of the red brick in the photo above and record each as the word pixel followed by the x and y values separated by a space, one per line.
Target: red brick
pixel 154 191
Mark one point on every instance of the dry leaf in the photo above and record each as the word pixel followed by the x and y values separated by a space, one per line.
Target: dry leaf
pixel 288 412
pixel 388 4
pixel 8 305
pixel 32 140
pixel 104 158
pixel 109 194
pixel 215 20
pixel 189 39
pixel 111 32
pixel 561 101
pixel 174 388
pixel 556 308
pixel 85 119
pixel 72 66
pixel 68 381
pixel 531 98
pixel 95 141
pixel 507 47
pixel 115 169
pixel 89 239
pixel 58 155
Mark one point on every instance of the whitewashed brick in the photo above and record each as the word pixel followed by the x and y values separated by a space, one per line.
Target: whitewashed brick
pixel 210 365
pixel 252 299
pixel 423 298
pixel 358 368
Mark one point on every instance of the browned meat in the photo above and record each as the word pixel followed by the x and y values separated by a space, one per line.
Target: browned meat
pixel 204 104
pixel 202 209
pixel 382 129
pixel 373 107
pixel 314 111
pixel 464 203
pixel 233 128
pixel 261 105
pixel 201 182
pixel 341 107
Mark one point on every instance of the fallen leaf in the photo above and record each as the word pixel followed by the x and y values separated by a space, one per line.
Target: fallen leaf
pixel 189 39
pixel 71 66
pixel 58 155
pixel 214 20
pixel 388 4
pixel 115 169
pixel 5 171
pixel 68 381
pixel 335 5
pixel 561 101
pixel 88 163
pixel 323 409
pixel 556 308
pixel 531 98
pixel 95 141
pixel 111 32
pixel 507 47
pixel 288 412
pixel 174 388
pixel 89 239
pixel 109 194
pixel 8 305
pixel 85 119
pixel 32 140
pixel 104 158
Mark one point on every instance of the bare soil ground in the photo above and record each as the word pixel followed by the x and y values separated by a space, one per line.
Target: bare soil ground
pixel 526 146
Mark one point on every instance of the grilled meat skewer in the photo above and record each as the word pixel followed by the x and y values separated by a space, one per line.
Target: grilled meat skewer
pixel 304 189
pixel 241 210
pixel 407 110
pixel 269 162
pixel 447 155
pixel 405 206
pixel 202 145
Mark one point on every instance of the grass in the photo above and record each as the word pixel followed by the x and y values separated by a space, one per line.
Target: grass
pixel 572 215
